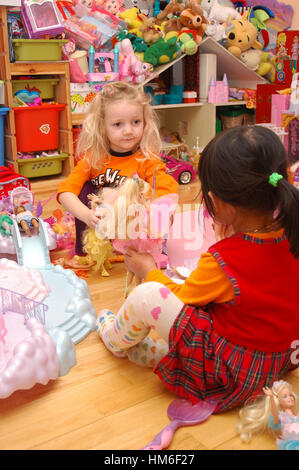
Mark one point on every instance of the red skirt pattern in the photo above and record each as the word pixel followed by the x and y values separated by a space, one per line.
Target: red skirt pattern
pixel 203 365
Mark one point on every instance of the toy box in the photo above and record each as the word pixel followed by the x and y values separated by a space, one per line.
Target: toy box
pixel 45 86
pixel 82 94
pixel 40 18
pixel 264 94
pixel 38 49
pixel 37 127
pixel 41 166
pixel 290 123
pixel 287 51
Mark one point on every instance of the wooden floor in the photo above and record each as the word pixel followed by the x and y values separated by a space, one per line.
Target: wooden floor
pixel 109 403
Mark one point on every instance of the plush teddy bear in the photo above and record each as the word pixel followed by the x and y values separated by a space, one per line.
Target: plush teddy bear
pixel 169 17
pixel 150 31
pixel 261 62
pixel 242 36
pixel 193 23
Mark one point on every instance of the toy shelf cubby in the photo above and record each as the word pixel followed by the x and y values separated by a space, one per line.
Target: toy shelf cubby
pixel 55 69
pixel 193 120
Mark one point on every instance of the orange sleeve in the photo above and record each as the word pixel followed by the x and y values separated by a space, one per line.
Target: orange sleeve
pixel 165 184
pixel 207 283
pixel 76 179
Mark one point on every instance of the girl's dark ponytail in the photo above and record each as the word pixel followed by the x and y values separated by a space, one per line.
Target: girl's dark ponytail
pixel 288 215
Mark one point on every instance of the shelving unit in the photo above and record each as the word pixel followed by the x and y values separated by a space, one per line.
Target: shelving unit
pixel 10 70
pixel 199 119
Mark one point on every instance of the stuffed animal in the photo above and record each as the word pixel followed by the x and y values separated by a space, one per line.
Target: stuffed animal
pixel 242 36
pixel 261 62
pixel 169 17
pixel 193 23
pixel 215 30
pixel 162 52
pixel 131 69
pixel 221 13
pixel 149 30
pixel 131 17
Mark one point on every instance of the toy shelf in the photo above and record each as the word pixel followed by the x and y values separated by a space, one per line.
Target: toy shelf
pixel 55 69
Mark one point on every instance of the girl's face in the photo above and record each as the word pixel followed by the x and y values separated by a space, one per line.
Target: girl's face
pixel 124 124
pixel 286 399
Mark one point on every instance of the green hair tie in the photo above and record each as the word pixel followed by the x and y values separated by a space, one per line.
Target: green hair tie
pixel 274 179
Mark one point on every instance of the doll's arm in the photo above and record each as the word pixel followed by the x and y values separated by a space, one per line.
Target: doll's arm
pixel 273 407
pixel 75 207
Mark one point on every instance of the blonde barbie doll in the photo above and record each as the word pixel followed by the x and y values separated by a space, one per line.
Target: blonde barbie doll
pixel 274 410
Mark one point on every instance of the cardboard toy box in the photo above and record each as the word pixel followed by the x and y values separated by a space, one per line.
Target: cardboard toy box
pixel 287 52
pixel 290 123
pixel 264 94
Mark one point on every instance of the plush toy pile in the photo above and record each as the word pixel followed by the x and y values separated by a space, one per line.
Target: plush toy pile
pixel 148 34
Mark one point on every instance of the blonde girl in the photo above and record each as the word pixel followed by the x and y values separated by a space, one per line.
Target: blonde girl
pixel 119 138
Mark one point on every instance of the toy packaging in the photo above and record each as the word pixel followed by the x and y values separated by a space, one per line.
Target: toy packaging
pixel 9 180
pixel 41 17
pixel 264 94
pixel 290 123
pixel 287 52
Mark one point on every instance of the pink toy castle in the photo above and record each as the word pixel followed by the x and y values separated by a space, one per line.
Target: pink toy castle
pixel 218 90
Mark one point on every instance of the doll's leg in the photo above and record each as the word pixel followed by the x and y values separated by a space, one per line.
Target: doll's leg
pixel 80 226
pixel 35 224
pixel 25 227
pixel 149 306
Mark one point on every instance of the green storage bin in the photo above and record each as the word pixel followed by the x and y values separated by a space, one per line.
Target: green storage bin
pixel 38 49
pixel 232 117
pixel 41 166
pixel 46 86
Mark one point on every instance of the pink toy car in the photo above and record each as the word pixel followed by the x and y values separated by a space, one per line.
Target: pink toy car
pixel 183 172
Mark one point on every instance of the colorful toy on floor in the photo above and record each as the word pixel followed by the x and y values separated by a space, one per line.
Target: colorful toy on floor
pixel 274 410
pixel 181 413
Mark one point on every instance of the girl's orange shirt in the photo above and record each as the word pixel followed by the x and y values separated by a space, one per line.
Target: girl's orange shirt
pixel 116 171
pixel 207 283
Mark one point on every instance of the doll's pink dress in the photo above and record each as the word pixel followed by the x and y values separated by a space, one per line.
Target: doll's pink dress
pixel 152 242
pixel 289 427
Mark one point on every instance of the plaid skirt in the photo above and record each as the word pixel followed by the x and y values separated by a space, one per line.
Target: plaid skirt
pixel 203 365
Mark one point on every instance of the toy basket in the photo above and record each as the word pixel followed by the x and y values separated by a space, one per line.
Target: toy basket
pixel 232 117
pixel 3 111
pixel 38 49
pixel 45 86
pixel 41 166
pixel 37 127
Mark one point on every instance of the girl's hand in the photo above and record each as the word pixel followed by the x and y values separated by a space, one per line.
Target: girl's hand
pixel 268 391
pixel 91 219
pixel 139 263
pixel 222 231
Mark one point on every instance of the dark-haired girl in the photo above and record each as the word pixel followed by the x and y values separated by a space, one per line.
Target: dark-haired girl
pixel 232 327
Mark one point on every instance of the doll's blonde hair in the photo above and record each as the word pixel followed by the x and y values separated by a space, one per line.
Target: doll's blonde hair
pixel 128 201
pixel 92 139
pixel 255 416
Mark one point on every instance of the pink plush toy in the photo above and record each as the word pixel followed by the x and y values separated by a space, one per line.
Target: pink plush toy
pixel 131 69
